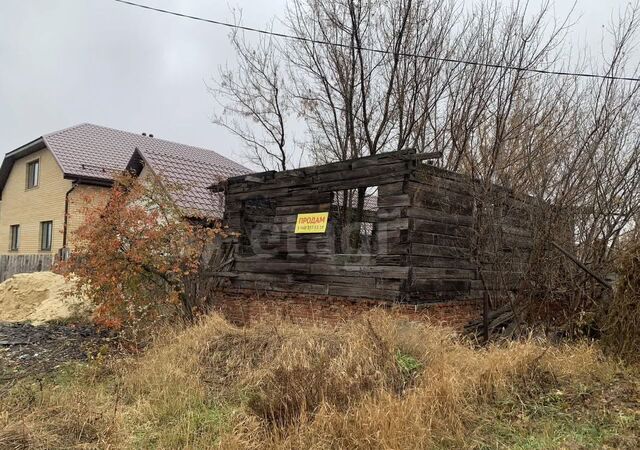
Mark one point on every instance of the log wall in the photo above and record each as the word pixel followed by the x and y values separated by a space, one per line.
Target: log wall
pixel 452 254
pixel 424 232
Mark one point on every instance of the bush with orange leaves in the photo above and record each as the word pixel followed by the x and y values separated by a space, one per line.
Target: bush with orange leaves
pixel 134 253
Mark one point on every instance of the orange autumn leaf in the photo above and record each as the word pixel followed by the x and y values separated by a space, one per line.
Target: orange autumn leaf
pixel 134 253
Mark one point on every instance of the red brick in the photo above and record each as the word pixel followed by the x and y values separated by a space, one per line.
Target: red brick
pixel 243 307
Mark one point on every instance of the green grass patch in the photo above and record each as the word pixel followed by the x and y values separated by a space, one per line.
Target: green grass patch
pixel 408 364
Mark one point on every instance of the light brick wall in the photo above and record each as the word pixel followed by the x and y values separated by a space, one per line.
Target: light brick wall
pixel 80 199
pixel 29 207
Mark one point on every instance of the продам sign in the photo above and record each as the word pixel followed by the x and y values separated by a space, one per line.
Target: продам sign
pixel 312 222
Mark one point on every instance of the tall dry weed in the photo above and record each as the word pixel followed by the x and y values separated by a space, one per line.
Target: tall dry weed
pixel 375 382
pixel 449 396
pixel 622 322
pixel 286 372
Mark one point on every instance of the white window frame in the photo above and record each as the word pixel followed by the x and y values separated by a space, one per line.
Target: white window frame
pixel 36 173
pixel 48 239
pixel 15 227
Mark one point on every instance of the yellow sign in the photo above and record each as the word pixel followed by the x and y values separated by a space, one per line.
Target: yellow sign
pixel 312 222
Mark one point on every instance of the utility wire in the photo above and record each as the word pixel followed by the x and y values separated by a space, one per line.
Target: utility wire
pixel 375 50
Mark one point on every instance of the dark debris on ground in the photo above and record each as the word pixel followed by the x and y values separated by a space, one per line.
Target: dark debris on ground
pixel 27 349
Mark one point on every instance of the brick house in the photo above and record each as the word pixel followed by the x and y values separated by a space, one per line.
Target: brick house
pixel 43 183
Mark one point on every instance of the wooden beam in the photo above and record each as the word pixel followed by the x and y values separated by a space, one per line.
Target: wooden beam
pixel 575 260
pixel 423 156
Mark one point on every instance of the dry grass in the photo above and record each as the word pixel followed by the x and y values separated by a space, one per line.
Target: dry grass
pixel 377 382
pixel 622 321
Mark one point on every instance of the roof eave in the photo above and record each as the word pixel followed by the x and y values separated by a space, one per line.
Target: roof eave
pixel 27 149
pixel 12 156
pixel 94 181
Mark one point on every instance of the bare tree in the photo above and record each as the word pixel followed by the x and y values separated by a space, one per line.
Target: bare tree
pixel 370 76
pixel 255 102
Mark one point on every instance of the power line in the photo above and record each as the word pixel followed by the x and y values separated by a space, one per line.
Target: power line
pixel 376 50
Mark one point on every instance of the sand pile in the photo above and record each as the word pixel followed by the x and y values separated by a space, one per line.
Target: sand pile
pixel 39 297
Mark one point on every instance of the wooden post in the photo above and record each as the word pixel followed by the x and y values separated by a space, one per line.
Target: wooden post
pixel 485 315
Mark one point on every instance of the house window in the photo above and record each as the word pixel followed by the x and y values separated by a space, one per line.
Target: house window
pixel 15 238
pixel 46 234
pixel 33 174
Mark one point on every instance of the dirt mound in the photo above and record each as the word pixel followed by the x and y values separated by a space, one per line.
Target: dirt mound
pixel 38 297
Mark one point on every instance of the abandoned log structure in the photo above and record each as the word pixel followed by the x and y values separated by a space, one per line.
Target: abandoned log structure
pixel 397 229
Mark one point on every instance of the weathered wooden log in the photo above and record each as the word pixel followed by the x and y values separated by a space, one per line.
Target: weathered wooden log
pixel 423 233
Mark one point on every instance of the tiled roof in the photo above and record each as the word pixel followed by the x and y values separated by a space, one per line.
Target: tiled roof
pixel 96 152
pixel 91 151
pixel 193 172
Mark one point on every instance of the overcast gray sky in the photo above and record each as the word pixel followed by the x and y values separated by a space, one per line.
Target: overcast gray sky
pixel 64 62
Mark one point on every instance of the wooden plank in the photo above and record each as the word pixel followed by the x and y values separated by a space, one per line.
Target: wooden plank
pixel 388 189
pixel 265 286
pixel 392 234
pixel 392 260
pixel 394 224
pixel 438 227
pixel 439 216
pixel 381 160
pixel 448 285
pixel 391 272
pixel 335 259
pixel 267 266
pixel 439 251
pixel 335 280
pixel 385 201
pixel 448 297
pixel 442 263
pixel 296 173
pixel 251 276
pixel 390 213
pixel 443 173
pixel 283 182
pixel 361 182
pixel 521 232
pixel 363 292
pixel 273 193
pixel 297 209
pixel 307 199
pixel 439 239
pixel 421 273
pixel 390 284
pixel 287 218
pixel 360 173
pixel 443 201
pixel 13 264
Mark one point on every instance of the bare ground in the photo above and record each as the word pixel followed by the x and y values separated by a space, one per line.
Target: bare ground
pixel 27 349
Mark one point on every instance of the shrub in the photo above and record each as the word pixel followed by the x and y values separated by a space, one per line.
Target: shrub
pixel 134 253
pixel 621 334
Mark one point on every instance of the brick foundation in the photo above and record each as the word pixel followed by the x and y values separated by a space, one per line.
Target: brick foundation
pixel 243 307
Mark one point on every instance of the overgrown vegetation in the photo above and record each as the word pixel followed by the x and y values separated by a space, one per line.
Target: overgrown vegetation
pixel 621 330
pixel 570 145
pixel 135 253
pixel 377 382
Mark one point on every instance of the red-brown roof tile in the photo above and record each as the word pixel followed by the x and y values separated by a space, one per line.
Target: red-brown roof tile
pixel 96 152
